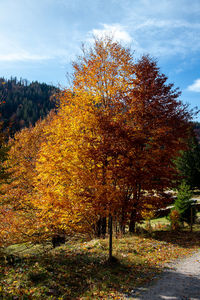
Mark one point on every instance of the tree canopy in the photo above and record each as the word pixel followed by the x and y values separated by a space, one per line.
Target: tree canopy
pixel 109 149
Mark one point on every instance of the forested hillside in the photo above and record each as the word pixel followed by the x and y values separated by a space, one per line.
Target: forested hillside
pixel 23 103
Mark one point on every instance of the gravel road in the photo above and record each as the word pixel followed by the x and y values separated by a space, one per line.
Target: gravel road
pixel 181 281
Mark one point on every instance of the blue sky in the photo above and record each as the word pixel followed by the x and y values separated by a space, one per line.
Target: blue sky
pixel 40 38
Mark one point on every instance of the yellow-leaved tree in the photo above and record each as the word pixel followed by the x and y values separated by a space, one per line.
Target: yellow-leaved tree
pixel 108 151
pixel 19 215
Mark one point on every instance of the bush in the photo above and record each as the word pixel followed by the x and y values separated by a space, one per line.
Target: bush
pixel 174 219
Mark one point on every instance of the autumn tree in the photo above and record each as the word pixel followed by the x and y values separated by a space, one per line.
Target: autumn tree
pixel 105 71
pixel 143 123
pixel 110 149
pixel 61 197
pixel 4 179
pixel 161 123
pixel 18 191
pixel 22 157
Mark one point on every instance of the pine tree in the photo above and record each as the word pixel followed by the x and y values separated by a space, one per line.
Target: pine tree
pixel 188 164
pixel 184 204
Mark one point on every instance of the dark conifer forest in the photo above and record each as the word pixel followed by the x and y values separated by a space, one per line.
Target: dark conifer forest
pixel 22 103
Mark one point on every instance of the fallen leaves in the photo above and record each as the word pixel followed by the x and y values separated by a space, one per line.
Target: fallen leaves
pixel 79 270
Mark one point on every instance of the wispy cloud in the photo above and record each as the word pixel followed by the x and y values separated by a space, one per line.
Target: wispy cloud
pixel 50 32
pixel 117 31
pixel 159 37
pixel 167 24
pixel 195 87
pixel 166 37
pixel 163 28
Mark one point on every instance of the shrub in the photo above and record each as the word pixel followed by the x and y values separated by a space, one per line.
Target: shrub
pixel 174 219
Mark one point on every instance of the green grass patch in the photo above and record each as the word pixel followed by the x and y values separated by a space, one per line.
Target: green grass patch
pixel 156 224
pixel 162 220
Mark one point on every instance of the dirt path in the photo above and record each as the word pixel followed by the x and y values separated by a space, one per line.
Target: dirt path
pixel 181 281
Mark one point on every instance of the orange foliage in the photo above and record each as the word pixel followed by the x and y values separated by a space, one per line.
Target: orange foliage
pixel 142 124
pixel 111 145
pixel 107 151
pixel 19 215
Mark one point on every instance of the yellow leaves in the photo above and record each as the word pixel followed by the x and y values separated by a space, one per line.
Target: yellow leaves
pixel 102 149
pixel 148 214
pixel 59 168
pixel 104 71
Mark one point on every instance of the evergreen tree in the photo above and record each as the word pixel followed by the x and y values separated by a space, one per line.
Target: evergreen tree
pixel 188 164
pixel 184 204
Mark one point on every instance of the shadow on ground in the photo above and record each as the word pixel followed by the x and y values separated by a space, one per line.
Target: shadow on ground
pixel 184 239
pixel 71 275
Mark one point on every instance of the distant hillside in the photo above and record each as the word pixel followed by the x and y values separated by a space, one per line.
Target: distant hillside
pixel 23 103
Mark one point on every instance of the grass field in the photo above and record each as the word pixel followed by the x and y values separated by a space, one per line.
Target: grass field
pixel 79 269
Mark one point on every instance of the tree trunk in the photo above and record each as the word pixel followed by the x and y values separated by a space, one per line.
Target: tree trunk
pixel 134 210
pixel 57 240
pixel 103 227
pixel 98 228
pixel 191 218
pixel 122 223
pixel 122 229
pixel 132 222
pixel 110 238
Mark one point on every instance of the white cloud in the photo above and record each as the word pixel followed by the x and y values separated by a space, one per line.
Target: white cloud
pixel 195 87
pixel 117 31
pixel 166 38
pixel 161 37
pixel 164 28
